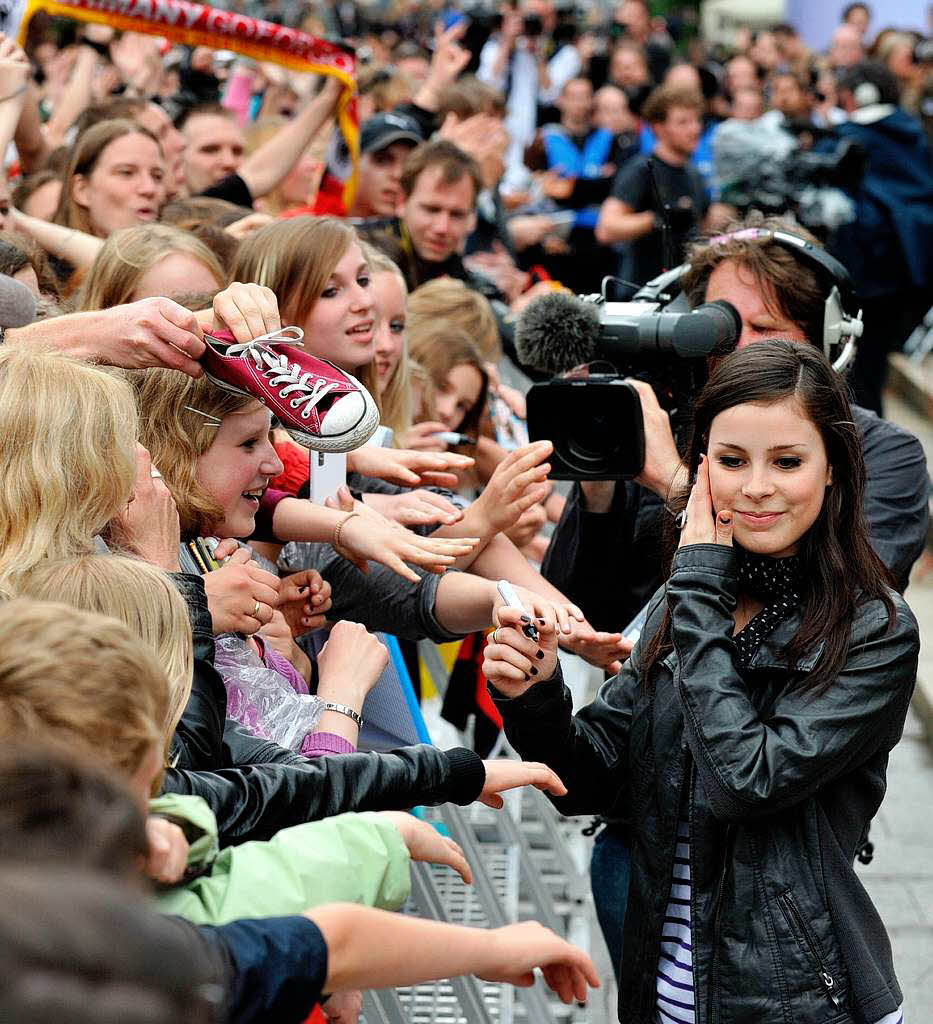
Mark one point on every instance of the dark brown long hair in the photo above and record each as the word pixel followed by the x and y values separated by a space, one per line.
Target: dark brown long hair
pixel 839 566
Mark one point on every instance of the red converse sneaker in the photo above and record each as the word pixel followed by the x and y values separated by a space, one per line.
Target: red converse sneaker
pixel 316 402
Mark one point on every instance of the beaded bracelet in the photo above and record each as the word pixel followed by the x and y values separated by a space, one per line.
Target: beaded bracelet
pixel 335 543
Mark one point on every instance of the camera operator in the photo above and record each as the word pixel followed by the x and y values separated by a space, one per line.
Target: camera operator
pixel 606 551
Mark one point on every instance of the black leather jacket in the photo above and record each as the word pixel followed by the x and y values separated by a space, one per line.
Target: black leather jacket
pixel 778 784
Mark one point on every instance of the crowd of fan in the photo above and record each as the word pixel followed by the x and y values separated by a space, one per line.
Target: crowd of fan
pixel 179 620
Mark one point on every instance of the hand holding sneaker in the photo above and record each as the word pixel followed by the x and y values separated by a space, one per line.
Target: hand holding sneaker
pixel 319 405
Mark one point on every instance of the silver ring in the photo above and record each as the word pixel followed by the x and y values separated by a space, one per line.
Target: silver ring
pixel 256 610
pixel 681 520
pixel 155 474
pixel 495 635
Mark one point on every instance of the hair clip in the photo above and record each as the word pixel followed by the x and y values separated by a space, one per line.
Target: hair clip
pixel 214 420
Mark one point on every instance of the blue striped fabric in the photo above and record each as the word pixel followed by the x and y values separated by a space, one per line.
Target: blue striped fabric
pixel 676 1001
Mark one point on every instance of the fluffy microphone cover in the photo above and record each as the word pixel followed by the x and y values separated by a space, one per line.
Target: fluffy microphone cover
pixel 557 332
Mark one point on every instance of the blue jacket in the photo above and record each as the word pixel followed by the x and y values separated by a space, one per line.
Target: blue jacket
pixel 573 161
pixel 889 245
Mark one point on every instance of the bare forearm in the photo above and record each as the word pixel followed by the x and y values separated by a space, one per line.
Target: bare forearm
pixel 463 603
pixel 475 523
pixel 301 520
pixel 75 99
pixel 70 334
pixel 77 247
pixel 615 225
pixel 501 560
pixel 368 948
pixel 31 144
pixel 266 168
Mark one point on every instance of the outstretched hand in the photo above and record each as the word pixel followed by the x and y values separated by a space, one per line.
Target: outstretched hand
pixel 504 773
pixel 425 843
pixel 519 948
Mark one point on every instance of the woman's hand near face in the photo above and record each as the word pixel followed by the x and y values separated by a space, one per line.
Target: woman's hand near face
pixel 701 525
pixel 513 662
pixel 241 595
pixel 409 468
pixel 148 526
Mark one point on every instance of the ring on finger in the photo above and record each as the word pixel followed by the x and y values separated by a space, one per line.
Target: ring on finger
pixel 495 635
pixel 256 608
pixel 155 474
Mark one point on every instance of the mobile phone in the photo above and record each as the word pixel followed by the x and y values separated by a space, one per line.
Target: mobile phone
pixel 328 475
pixel 512 600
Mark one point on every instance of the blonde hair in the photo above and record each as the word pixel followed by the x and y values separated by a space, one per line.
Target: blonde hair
pixel 67 456
pixel 86 152
pixel 176 436
pixel 141 596
pixel 296 258
pixel 128 254
pixel 448 301
pixel 395 397
pixel 80 682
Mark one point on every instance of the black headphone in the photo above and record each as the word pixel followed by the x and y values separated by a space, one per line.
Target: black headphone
pixel 840 330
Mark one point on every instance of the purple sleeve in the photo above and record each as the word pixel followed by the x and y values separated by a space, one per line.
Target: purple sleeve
pixel 279 663
pixel 317 744
pixel 267 506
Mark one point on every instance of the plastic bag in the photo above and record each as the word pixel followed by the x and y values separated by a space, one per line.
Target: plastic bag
pixel 261 699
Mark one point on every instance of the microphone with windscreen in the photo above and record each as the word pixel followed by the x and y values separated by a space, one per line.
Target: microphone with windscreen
pixel 559 331
pixel 595 422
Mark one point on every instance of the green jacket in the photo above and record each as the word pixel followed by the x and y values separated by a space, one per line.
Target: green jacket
pixel 358 858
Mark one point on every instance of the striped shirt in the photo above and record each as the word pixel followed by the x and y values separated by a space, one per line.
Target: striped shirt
pixel 676 1002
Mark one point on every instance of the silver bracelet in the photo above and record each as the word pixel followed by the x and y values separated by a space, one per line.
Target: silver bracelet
pixel 329 705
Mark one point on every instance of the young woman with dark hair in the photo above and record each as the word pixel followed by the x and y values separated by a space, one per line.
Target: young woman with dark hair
pixel 746 740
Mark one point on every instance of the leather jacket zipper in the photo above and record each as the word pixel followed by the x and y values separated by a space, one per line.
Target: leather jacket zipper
pixel 805 937
pixel 714 970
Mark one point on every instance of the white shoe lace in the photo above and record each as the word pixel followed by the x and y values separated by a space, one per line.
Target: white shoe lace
pixel 280 371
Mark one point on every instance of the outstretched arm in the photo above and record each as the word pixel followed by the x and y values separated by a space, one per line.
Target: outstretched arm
pixel 369 948
pixel 264 170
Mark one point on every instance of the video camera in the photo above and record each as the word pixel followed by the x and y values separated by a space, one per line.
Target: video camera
pixel 595 421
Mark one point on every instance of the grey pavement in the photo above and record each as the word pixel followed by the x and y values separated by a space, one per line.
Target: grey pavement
pixel 900 877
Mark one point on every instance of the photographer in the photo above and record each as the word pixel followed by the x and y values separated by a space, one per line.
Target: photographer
pixel 606 551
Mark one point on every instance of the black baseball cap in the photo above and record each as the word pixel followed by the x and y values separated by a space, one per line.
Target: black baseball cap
pixel 382 130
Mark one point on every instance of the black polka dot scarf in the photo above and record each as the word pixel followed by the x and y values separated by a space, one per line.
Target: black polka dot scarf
pixel 775 581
